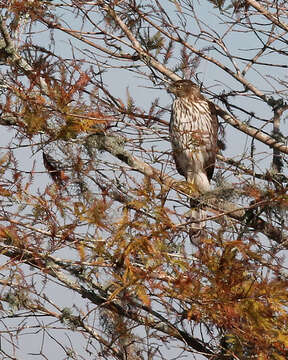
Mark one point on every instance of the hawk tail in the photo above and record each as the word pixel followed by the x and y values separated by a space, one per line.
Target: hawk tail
pixel 197 226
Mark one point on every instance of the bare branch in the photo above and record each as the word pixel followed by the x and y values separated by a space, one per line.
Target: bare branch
pixel 273 18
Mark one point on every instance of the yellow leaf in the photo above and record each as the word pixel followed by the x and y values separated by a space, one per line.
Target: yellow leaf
pixel 141 293
pixel 81 250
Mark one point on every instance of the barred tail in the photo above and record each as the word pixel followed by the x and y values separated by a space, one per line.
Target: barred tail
pixel 197 226
pixel 200 181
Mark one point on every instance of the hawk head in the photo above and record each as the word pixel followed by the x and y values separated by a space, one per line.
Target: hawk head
pixel 184 88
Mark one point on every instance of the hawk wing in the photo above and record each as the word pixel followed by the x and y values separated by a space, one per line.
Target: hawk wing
pixel 193 132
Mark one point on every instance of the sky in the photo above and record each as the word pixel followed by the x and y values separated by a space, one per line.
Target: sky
pixel 143 94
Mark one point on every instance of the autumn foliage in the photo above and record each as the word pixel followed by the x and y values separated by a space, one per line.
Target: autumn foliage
pixel 96 260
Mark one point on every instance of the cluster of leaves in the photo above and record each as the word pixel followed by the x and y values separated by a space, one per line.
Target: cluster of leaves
pixel 117 239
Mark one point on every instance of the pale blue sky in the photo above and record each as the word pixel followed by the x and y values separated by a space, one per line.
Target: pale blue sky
pixel 118 80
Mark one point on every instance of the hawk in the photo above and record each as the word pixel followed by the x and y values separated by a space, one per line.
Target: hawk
pixel 193 134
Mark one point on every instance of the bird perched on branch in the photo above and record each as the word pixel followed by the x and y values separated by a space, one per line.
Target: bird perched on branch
pixel 193 134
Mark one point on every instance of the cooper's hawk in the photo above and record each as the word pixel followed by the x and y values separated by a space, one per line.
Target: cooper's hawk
pixel 193 134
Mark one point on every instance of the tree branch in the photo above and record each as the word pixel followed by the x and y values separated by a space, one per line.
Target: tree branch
pixel 273 18
pixel 9 53
pixel 115 146
pixel 47 264
pixel 255 133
